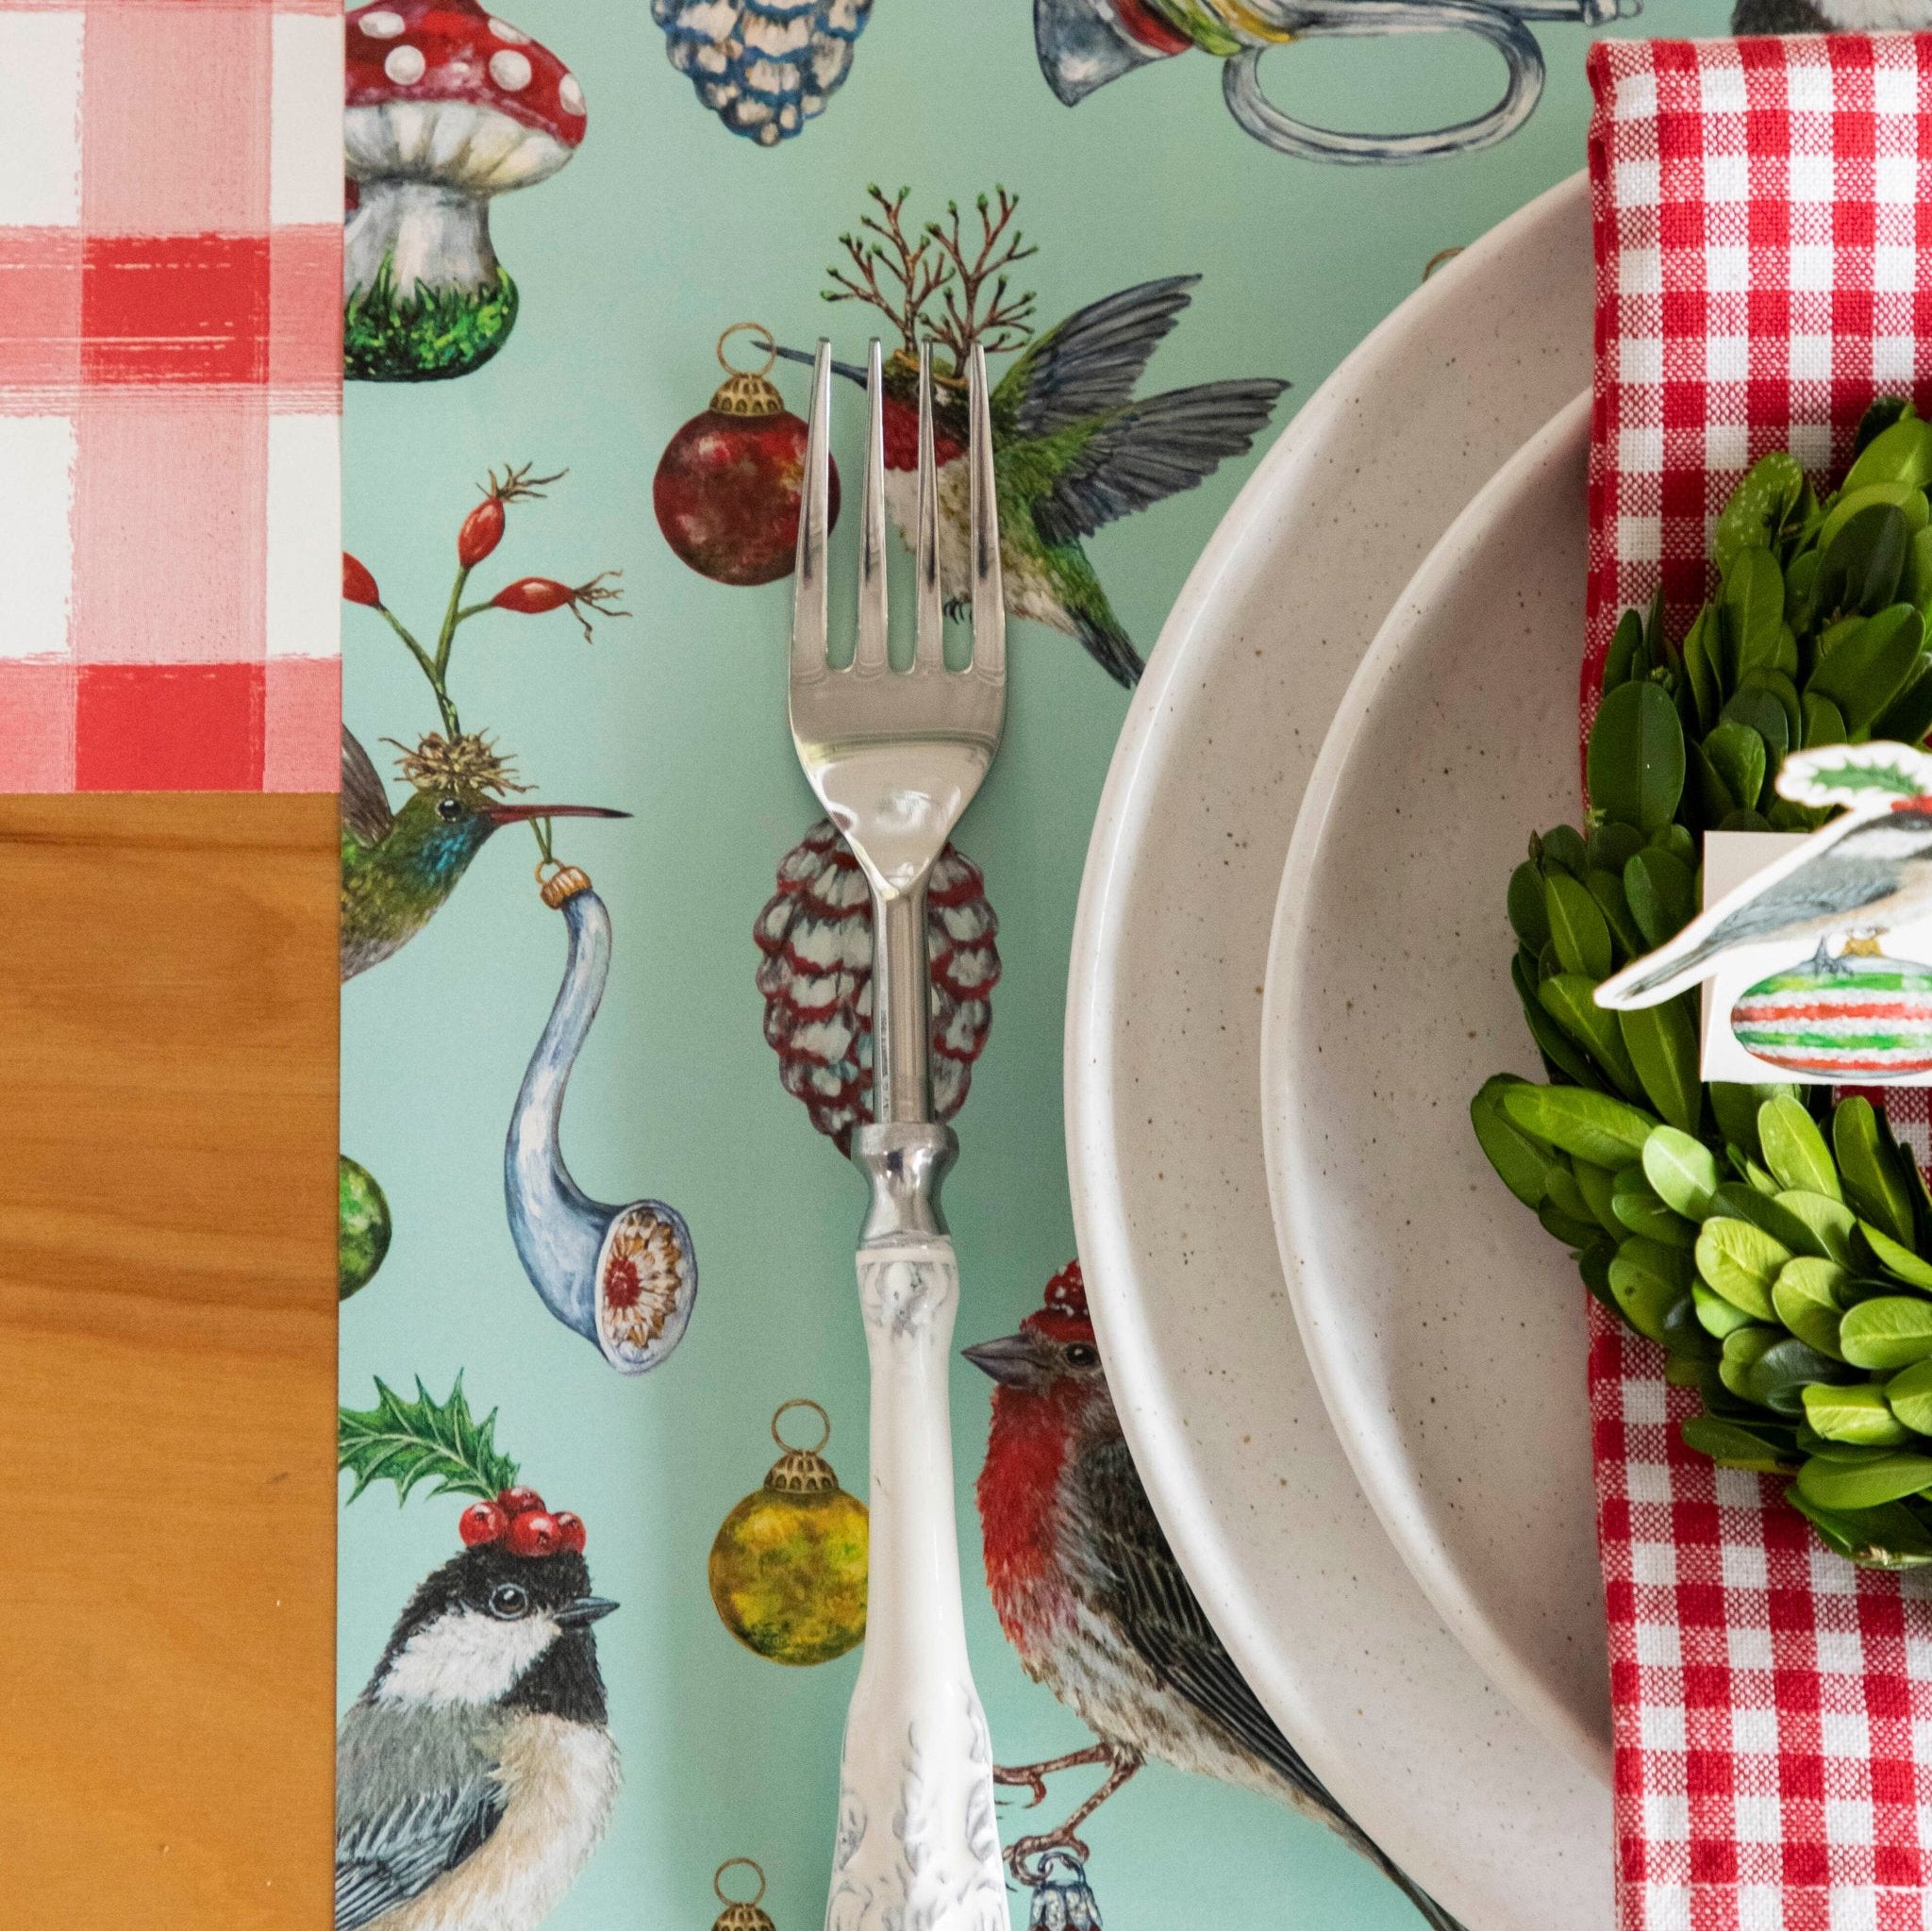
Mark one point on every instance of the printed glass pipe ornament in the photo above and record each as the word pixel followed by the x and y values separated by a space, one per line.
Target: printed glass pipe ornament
pixel 740 1914
pixel 816 937
pixel 624 1277
pixel 446 107
pixel 726 490
pixel 788 1568
pixel 1063 1898
pixel 764 67
pixel 1085 43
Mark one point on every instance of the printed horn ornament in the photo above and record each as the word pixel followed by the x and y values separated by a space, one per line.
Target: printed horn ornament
pixel 624 1277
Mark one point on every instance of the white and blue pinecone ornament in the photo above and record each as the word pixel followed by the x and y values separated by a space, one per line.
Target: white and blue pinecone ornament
pixel 764 67
pixel 815 974
pixel 1063 1898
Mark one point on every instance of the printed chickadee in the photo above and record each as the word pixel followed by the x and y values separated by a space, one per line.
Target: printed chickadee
pixel 474 1774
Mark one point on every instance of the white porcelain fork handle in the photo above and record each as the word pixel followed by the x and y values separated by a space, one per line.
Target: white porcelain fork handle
pixel 918 1842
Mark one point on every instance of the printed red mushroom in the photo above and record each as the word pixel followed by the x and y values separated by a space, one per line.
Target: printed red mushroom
pixel 446 107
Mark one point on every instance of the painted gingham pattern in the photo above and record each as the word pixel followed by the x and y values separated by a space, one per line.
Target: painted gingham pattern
pixel 170 394
pixel 1762 212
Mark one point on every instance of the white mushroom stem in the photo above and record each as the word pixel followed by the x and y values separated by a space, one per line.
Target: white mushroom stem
pixel 430 233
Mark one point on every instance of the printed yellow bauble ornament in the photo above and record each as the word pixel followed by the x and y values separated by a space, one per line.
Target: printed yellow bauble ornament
pixel 740 1914
pixel 787 1568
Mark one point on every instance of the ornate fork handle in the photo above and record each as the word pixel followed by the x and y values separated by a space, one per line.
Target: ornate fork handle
pixel 918 1842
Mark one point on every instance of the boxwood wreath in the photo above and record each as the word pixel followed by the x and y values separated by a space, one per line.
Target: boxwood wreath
pixel 1778 1247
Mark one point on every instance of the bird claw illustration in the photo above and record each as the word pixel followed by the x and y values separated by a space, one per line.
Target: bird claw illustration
pixel 1122 1763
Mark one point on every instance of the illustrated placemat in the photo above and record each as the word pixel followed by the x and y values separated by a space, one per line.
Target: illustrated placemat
pixel 170 390
pixel 599 1338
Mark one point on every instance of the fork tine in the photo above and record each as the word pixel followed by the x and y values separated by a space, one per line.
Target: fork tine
pixel 989 590
pixel 810 611
pixel 930 634
pixel 873 607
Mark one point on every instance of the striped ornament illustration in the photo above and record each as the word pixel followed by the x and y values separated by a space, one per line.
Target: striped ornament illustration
pixel 1860 1017
pixel 764 67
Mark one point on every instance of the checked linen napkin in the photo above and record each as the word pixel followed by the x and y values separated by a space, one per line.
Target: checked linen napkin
pixel 1763 227
pixel 170 394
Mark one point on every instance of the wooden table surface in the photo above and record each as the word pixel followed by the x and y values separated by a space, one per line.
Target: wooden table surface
pixel 168 1002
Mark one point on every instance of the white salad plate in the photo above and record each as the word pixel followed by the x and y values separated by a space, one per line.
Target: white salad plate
pixel 1164 1131
pixel 1446 1328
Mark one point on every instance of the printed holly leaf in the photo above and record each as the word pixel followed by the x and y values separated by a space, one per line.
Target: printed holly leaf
pixel 423 1440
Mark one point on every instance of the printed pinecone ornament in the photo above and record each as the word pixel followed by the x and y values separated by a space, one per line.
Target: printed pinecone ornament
pixel 815 934
pixel 764 67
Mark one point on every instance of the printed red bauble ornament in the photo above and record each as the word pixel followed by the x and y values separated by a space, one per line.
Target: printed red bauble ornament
pixel 729 483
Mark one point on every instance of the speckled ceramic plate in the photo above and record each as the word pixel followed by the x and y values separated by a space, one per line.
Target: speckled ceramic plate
pixel 1446 1327
pixel 1163 1125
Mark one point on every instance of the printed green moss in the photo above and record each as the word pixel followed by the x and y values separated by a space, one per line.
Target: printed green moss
pixel 437 334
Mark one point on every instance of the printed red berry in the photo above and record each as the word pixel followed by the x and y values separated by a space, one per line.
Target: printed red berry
pixel 514 1502
pixel 536 1532
pixel 531 596
pixel 481 532
pixel 359 587
pixel 572 1529
pixel 482 1522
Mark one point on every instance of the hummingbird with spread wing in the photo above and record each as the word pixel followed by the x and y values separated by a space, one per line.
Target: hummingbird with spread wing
pixel 1073 447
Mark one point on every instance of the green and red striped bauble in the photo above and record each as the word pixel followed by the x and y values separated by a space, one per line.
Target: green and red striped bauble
pixel 1860 1018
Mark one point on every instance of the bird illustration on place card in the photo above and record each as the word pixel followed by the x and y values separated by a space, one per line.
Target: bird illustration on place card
pixel 1801 986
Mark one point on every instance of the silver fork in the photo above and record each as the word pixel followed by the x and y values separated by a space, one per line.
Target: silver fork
pixel 895 757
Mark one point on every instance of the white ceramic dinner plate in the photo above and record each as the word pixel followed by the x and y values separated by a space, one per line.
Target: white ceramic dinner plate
pixel 1446 1327
pixel 1163 1125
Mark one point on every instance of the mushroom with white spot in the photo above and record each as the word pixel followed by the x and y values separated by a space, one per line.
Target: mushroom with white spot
pixel 446 107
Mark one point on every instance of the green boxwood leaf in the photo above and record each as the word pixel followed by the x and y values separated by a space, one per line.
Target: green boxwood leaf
pixel 1661 892
pixel 1700 667
pixel 1752 598
pixel 1715 1315
pixel 1859 567
pixel 1895 1259
pixel 1606 887
pixel 1908 716
pixel 1634 764
pixel 1806 1298
pixel 1909 1392
pixel 1741 1262
pixel 1902 454
pixel 1551 1041
pixel 1824 723
pixel 1598 1186
pixel 1770 491
pixel 1528 918
pixel 1577 928
pixel 1569 999
pixel 1561 849
pixel 1638 1210
pixel 1620 661
pixel 1591 1126
pixel 1837 1485
pixel 1891 1331
pixel 1652 1286
pixel 1887 1538
pixel 1864 673
pixel 1662 1041
pixel 1829 1222
pixel 1794 1148
pixel 1870 1166
pixel 1763 1446
pixel 1857 1414
pixel 1681 1170
pixel 1738 754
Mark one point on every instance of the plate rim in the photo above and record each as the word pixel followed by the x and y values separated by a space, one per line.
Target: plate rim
pixel 1148 1406
pixel 1370 1447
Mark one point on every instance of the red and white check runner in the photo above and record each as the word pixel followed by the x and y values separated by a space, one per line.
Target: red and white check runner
pixel 170 394
pixel 1763 218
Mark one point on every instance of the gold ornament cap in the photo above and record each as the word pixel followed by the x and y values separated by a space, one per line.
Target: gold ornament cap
pixel 748 391
pixel 740 1914
pixel 564 882
pixel 801 1471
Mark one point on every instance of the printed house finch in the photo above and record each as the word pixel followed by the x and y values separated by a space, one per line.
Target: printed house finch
pixel 1091 1595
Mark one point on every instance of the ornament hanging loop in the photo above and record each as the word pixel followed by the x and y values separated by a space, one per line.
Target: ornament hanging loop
pixel 802 1401
pixel 732 1863
pixel 766 341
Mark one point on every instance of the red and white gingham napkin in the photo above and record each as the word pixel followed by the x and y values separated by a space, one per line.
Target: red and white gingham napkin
pixel 170 394
pixel 1763 211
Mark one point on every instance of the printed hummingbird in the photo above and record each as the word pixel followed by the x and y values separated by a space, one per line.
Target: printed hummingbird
pixel 398 867
pixel 1088 1592
pixel 1074 448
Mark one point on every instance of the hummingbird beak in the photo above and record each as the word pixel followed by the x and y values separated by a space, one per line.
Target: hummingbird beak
pixel 1009 1361
pixel 584 1610
pixel 519 814
pixel 851 370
